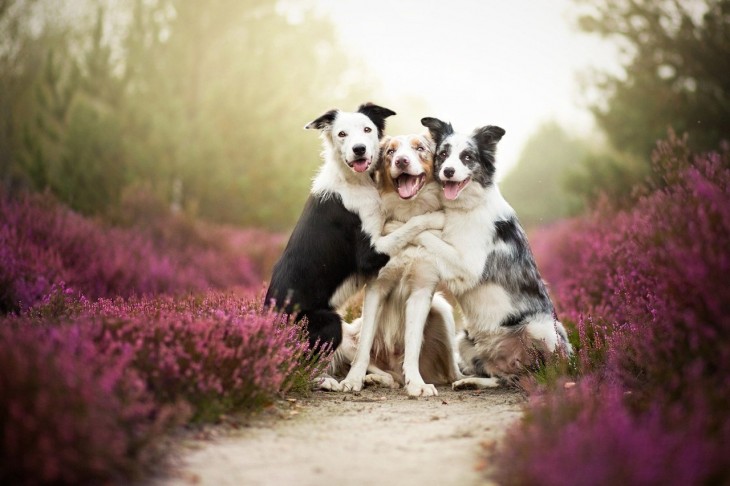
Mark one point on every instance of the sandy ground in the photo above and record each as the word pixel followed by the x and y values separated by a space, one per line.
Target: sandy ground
pixel 376 437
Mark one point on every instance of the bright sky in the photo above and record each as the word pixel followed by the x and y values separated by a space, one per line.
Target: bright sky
pixel 512 63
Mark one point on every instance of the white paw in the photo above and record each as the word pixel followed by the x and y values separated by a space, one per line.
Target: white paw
pixel 326 383
pixel 351 384
pixel 475 383
pixel 421 390
pixel 386 381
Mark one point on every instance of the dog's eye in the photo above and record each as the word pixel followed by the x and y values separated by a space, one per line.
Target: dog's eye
pixel 390 152
pixel 443 154
pixel 342 134
pixel 420 148
pixel 368 129
pixel 467 158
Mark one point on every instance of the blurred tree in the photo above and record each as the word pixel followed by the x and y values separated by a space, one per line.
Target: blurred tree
pixel 222 96
pixel 535 187
pixel 202 106
pixel 676 75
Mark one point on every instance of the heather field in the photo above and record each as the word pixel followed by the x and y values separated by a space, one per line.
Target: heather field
pixel 645 292
pixel 112 337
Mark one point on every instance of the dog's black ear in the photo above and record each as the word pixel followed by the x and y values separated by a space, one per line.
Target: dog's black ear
pixel 488 136
pixel 377 114
pixel 437 128
pixel 323 122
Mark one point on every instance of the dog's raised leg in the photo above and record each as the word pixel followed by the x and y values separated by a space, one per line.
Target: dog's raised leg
pixel 397 240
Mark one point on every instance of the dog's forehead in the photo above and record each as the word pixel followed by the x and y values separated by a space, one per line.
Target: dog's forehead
pixel 349 120
pixel 459 142
pixel 407 141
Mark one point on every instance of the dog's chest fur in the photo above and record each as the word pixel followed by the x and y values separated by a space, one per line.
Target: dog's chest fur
pixel 358 193
pixel 470 227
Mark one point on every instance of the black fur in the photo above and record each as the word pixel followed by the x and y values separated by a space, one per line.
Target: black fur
pixel 326 247
pixel 377 114
pixel 437 128
pixel 323 121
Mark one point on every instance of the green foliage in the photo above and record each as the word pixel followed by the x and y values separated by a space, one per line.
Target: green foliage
pixel 536 186
pixel 609 175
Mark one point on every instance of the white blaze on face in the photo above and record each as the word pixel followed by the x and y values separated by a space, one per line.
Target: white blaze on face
pixel 355 137
pixel 408 177
pixel 457 145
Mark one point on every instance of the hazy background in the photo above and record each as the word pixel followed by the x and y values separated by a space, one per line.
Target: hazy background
pixel 121 108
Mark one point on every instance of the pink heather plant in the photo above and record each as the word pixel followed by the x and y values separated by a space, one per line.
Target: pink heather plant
pixel 101 353
pixel 70 414
pixel 218 353
pixel 647 289
pixel 86 388
pixel 42 243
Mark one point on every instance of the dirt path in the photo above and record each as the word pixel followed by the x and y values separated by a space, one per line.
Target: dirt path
pixel 377 437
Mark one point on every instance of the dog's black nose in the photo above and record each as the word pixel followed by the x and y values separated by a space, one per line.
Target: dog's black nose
pixel 359 150
pixel 402 162
pixel 449 172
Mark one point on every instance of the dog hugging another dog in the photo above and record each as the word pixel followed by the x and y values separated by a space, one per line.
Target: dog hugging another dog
pixel 399 216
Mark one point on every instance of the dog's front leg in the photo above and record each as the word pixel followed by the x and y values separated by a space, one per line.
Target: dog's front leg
pixel 403 236
pixel 417 308
pixel 355 377
pixel 449 260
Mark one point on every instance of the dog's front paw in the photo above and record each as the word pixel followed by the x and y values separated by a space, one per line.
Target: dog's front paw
pixel 326 383
pixel 475 383
pixel 415 389
pixel 351 384
pixel 385 381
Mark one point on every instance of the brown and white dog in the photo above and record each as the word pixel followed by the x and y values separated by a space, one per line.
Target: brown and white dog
pixel 404 290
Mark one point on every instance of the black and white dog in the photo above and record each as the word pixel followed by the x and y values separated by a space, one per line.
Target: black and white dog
pixel 336 245
pixel 485 259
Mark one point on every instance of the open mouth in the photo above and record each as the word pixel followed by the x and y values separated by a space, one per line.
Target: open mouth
pixel 359 165
pixel 408 185
pixel 453 189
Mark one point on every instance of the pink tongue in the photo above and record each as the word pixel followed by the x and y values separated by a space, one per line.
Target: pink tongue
pixel 451 190
pixel 407 186
pixel 360 165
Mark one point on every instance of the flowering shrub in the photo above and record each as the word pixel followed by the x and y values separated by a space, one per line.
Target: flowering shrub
pixel 86 388
pixel 70 413
pixel 102 351
pixel 42 244
pixel 647 291
pixel 218 352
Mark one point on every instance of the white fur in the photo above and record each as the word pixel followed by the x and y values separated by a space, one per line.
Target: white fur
pixel 461 172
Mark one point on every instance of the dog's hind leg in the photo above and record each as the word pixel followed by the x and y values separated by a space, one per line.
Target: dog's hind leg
pixel 324 326
pixel 442 307
pixel 475 383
